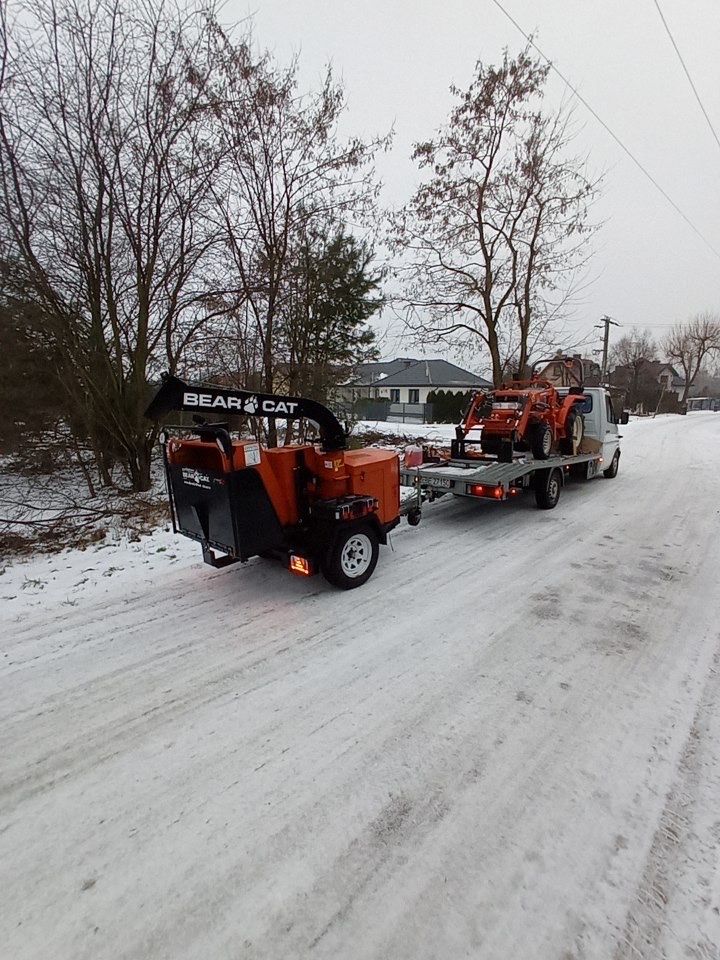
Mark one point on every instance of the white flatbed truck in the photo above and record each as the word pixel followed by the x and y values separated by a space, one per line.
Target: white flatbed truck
pixel 488 478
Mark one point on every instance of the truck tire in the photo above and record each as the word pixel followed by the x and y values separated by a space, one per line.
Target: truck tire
pixel 574 433
pixel 352 557
pixel 541 441
pixel 548 484
pixel 612 470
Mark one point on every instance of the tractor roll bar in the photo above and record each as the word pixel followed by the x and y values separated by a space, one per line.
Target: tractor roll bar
pixel 175 394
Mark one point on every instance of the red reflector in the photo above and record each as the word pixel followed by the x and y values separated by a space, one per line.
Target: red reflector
pixel 300 565
pixel 480 490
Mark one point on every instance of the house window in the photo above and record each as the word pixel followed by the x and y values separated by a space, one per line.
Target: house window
pixel 394 395
pixel 413 396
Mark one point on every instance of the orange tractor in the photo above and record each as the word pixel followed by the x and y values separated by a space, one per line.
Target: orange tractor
pixel 311 506
pixel 535 415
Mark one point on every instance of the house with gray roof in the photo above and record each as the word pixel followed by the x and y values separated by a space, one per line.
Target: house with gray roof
pixel 406 380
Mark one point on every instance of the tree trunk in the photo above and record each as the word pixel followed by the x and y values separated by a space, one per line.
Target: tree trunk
pixel 494 348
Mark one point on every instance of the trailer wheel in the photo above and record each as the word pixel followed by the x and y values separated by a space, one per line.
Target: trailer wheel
pixel 548 484
pixel 612 470
pixel 414 517
pixel 541 441
pixel 352 557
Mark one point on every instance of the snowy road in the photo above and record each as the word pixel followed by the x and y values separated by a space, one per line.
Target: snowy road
pixel 506 745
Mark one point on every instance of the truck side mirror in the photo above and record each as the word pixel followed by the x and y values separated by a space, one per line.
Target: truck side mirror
pixel 625 416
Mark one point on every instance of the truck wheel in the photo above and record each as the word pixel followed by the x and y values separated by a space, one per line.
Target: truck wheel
pixel 612 470
pixel 548 484
pixel 541 441
pixel 351 559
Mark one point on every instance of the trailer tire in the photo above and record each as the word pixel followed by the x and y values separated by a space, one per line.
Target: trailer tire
pixel 612 470
pixel 548 484
pixel 541 441
pixel 414 517
pixel 352 557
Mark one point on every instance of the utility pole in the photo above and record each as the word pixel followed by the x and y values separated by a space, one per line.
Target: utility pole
pixel 607 323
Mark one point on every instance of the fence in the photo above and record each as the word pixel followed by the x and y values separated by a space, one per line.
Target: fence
pixel 383 409
pixel 410 413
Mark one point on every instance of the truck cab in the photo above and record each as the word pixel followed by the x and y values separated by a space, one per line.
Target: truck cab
pixel 601 427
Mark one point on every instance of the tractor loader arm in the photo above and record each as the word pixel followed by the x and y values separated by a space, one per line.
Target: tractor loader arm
pixel 175 394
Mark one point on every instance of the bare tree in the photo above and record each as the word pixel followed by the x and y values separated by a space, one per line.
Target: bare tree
pixel 284 169
pixel 691 344
pixel 492 241
pixel 633 347
pixel 106 179
pixel 629 356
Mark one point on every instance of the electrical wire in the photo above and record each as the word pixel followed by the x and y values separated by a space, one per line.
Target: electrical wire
pixel 687 73
pixel 602 123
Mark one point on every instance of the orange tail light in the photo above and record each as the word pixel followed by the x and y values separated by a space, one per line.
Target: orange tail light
pixel 300 565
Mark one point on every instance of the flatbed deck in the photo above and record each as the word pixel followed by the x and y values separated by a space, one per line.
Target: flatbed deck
pixel 487 476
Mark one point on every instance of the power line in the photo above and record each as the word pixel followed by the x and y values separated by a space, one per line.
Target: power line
pixel 602 123
pixel 687 73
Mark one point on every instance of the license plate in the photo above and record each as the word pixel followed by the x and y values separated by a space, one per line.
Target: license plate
pixel 439 482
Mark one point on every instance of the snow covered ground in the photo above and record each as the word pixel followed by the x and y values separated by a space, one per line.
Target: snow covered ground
pixel 505 745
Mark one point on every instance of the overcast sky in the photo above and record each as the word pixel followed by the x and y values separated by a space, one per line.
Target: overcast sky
pixel 398 58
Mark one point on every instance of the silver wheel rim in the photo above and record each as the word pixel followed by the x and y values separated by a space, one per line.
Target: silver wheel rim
pixel 553 489
pixel 546 441
pixel 356 555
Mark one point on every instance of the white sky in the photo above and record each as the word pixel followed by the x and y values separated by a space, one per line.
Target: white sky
pixel 398 58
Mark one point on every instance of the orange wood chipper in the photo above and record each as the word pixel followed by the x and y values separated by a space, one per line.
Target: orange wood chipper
pixel 312 506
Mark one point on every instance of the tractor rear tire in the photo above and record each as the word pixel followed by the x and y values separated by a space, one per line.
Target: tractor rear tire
pixel 574 433
pixel 548 484
pixel 541 441
pixel 352 557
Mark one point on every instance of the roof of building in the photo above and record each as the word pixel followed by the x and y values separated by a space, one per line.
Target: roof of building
pixel 368 373
pixel 409 372
pixel 653 368
pixel 434 373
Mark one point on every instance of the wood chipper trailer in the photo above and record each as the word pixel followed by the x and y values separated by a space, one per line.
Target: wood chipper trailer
pixel 313 507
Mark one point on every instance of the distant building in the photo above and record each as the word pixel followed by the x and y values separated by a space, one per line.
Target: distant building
pixel 406 380
pixel 647 383
pixel 558 372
